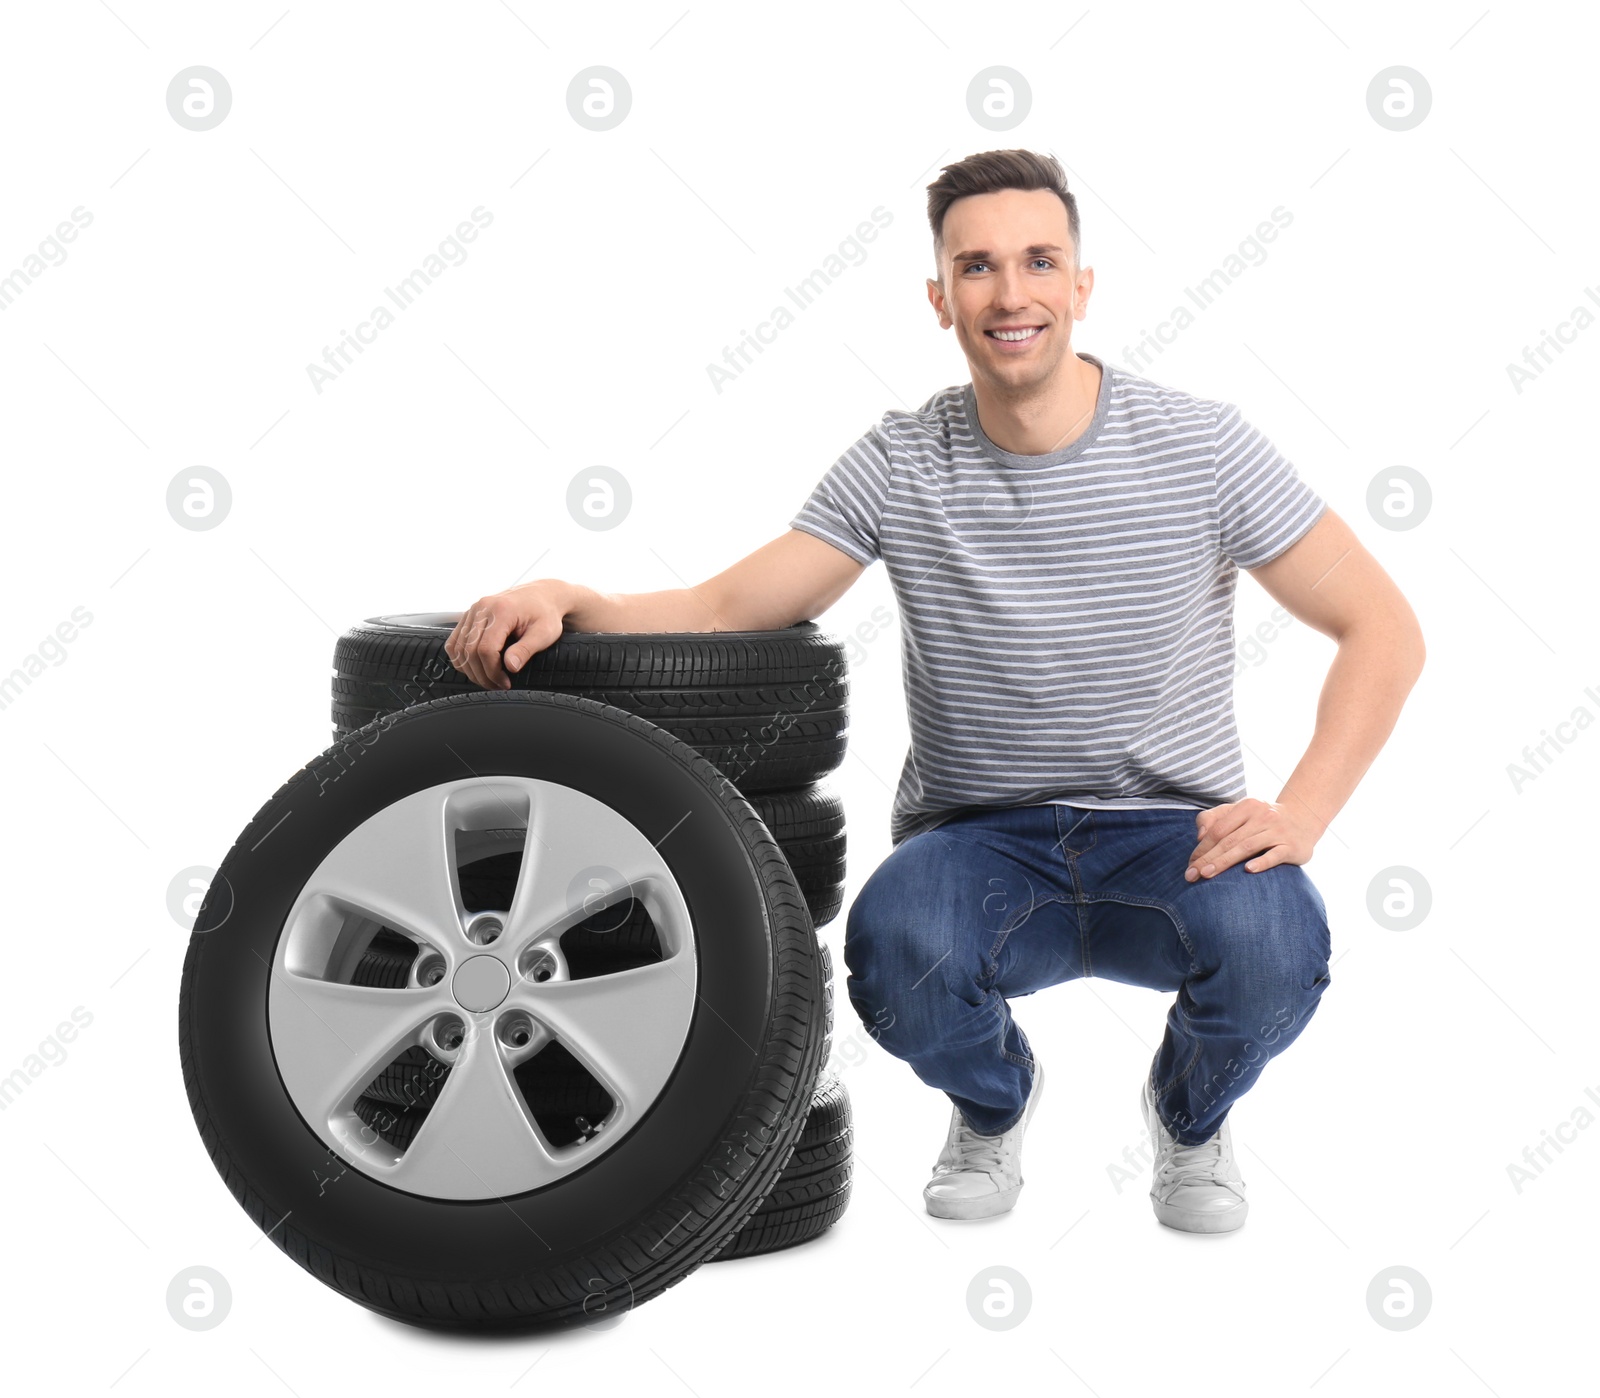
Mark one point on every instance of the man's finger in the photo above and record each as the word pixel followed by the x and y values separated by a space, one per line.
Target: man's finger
pixel 1215 831
pixel 490 643
pixel 462 637
pixel 1245 845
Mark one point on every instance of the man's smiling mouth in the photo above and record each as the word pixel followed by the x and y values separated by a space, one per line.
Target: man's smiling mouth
pixel 1019 335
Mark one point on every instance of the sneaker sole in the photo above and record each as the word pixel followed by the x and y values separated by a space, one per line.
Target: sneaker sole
pixel 966 1210
pixel 1001 1201
pixel 1199 1223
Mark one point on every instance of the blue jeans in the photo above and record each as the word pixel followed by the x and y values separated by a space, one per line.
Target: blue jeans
pixel 997 903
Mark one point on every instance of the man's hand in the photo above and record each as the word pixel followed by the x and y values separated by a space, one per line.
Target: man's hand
pixel 1236 830
pixel 532 615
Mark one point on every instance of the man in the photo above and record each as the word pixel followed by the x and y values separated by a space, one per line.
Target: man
pixel 1064 540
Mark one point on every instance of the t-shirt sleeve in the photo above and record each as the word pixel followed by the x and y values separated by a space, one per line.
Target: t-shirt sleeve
pixel 1262 504
pixel 846 507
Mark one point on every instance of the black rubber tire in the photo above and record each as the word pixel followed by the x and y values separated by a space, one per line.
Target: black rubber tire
pixel 826 904
pixel 808 824
pixel 814 1188
pixel 766 707
pixel 640 1217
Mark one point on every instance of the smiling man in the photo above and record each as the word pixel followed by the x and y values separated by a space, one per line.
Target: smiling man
pixel 1064 540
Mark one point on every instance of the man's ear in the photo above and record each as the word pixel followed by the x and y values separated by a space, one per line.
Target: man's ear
pixel 1083 285
pixel 936 300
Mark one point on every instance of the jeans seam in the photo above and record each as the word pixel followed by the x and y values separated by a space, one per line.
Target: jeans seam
pixel 1160 905
pixel 992 967
pixel 1083 918
pixel 1004 934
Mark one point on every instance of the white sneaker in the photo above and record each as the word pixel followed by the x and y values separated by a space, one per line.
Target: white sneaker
pixel 980 1176
pixel 1196 1188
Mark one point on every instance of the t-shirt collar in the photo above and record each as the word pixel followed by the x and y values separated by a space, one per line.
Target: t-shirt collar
pixel 1075 448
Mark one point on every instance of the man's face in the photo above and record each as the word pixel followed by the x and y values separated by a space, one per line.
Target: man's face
pixel 1009 265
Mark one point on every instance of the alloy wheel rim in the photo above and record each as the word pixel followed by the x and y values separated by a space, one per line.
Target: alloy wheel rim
pixel 488 990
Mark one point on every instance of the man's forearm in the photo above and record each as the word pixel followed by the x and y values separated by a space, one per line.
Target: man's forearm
pixel 1367 684
pixel 674 609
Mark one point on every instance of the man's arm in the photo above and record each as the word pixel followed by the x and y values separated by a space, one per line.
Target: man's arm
pixel 794 578
pixel 1328 580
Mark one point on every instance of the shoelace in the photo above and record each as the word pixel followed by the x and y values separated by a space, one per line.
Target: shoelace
pixel 1199 1164
pixel 973 1151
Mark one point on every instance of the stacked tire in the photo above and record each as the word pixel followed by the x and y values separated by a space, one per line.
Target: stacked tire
pixel 407 1025
pixel 769 708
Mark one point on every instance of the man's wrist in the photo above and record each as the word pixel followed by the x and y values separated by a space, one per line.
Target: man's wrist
pixel 579 605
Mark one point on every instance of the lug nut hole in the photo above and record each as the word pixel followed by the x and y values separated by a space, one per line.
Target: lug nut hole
pixel 449 1033
pixel 538 964
pixel 485 928
pixel 516 1031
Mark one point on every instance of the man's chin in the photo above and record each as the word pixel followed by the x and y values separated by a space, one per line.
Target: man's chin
pixel 1022 379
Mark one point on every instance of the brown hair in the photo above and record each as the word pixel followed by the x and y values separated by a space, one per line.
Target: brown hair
pixel 992 170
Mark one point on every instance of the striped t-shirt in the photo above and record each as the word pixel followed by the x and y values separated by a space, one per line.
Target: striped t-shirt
pixel 1066 619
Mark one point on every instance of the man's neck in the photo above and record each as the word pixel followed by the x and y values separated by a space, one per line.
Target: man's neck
pixel 1045 421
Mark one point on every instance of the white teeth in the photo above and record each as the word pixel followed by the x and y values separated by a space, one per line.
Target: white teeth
pixel 1015 334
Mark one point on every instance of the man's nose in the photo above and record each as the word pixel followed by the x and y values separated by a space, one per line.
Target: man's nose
pixel 1009 292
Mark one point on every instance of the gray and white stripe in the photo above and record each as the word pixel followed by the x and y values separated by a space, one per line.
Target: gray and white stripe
pixel 1067 619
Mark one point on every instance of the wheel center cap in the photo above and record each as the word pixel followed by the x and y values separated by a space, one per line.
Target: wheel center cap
pixel 481 983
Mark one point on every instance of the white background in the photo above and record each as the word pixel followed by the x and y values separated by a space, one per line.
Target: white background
pixel 177 332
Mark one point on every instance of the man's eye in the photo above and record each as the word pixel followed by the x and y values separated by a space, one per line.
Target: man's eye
pixel 974 266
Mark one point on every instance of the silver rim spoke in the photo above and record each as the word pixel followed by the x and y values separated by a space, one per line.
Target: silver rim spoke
pixel 398 867
pixel 332 1040
pixel 478 1128
pixel 615 1025
pixel 568 840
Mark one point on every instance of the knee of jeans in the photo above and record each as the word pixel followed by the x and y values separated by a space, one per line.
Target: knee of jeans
pixel 1278 994
pixel 1306 939
pixel 897 973
pixel 1277 980
pixel 874 946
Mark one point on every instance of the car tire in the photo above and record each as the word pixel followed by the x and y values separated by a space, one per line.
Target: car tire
pixel 808 824
pixel 766 707
pixel 710 1086
pixel 814 1189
